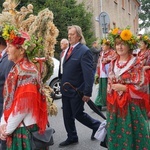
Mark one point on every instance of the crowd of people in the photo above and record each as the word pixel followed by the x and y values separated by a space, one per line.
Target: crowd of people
pixel 124 83
pixel 124 88
pixel 124 80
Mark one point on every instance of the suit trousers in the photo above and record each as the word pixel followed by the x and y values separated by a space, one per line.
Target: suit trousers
pixel 73 108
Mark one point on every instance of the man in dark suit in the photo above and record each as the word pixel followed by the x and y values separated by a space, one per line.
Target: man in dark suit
pixel 78 71
pixel 5 66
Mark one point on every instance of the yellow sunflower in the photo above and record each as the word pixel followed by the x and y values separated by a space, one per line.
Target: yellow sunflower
pixel 126 35
pixel 115 31
pixel 104 41
pixel 145 37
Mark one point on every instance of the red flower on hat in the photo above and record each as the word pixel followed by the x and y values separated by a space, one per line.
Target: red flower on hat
pixel 18 40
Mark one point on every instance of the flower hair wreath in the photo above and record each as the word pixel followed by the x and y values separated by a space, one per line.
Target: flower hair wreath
pixel 145 38
pixel 31 45
pixel 125 35
pixel 107 41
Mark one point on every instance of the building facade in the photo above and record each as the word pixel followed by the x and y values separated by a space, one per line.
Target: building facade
pixel 121 13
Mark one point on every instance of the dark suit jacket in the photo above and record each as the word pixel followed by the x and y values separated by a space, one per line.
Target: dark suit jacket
pixel 5 66
pixel 77 70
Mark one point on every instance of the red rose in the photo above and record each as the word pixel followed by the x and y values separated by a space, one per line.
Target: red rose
pixel 18 40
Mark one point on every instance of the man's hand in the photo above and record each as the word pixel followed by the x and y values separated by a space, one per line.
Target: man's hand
pixel 86 98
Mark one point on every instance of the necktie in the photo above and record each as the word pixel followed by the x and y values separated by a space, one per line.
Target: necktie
pixel 62 53
pixel 0 56
pixel 69 52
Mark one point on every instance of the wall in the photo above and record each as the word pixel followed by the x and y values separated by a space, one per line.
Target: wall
pixel 121 13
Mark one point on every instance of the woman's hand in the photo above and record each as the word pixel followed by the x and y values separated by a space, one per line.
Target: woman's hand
pixel 119 87
pixel 3 134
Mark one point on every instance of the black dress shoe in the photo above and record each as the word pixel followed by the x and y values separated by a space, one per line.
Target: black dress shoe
pixel 104 143
pixel 68 142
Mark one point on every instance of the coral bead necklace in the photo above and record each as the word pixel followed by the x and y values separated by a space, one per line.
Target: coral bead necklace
pixel 123 65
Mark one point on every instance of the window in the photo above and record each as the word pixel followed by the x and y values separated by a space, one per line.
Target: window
pixel 116 1
pixel 114 24
pixel 129 7
pixel 123 4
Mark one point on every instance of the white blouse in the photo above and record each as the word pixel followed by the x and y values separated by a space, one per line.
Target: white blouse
pixel 15 120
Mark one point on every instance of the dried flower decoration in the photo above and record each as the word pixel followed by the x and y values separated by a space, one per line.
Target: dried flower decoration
pixel 41 44
pixel 10 5
pixel 125 35
pixel 33 47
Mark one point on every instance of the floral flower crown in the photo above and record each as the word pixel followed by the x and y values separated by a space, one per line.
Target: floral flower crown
pixel 12 35
pixel 125 35
pixel 144 38
pixel 19 38
pixel 107 41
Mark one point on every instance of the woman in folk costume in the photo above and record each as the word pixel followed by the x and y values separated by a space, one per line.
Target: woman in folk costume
pixel 127 97
pixel 144 46
pixel 24 100
pixel 106 55
pixel 144 55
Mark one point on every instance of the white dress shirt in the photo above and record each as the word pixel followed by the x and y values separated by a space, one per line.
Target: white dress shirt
pixel 62 60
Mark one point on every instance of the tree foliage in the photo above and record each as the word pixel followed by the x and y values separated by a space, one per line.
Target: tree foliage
pixel 144 14
pixel 66 12
pixel 2 1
